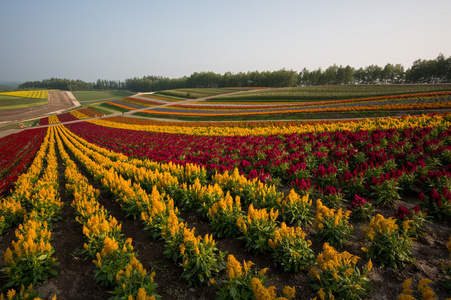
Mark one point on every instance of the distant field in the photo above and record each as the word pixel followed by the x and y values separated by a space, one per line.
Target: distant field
pixel 198 93
pixel 13 102
pixel 84 96
pixel 325 93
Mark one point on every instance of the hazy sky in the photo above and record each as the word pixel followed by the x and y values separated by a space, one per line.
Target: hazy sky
pixel 115 40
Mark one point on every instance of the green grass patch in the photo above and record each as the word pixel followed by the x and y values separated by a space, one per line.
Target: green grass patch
pixel 331 92
pixel 33 123
pixel 86 96
pixel 166 96
pixel 101 110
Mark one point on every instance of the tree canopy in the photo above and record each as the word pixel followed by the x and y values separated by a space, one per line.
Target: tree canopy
pixel 422 71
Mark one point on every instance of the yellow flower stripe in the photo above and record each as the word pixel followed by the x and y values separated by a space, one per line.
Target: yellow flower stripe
pixel 79 115
pixel 442 121
pixel 32 252
pixel 40 94
pixel 54 119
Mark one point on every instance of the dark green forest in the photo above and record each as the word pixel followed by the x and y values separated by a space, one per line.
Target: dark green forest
pixel 422 71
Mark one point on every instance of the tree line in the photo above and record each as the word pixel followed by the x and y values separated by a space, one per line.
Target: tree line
pixel 436 70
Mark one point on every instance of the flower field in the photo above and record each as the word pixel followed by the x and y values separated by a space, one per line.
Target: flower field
pixel 422 101
pixel 39 94
pixel 166 210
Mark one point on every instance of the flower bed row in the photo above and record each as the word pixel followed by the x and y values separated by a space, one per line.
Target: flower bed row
pixel 40 94
pixel 141 102
pixel 12 207
pixel 17 152
pixel 30 259
pixel 433 120
pixel 235 106
pixel 405 102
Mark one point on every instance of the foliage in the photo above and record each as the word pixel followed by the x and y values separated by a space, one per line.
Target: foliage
pixel 224 215
pixel 418 217
pixel 332 225
pixel 244 283
pixel 257 228
pixel 296 209
pixel 291 250
pixel 361 209
pixel 390 245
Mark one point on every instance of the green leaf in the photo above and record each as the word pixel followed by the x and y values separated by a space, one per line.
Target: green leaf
pixel 42 257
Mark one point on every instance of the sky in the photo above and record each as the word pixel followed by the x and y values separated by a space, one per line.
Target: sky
pixel 117 39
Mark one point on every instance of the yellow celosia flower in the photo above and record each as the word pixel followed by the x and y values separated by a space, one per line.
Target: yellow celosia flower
pixel 260 292
pixel 234 269
pixel 289 292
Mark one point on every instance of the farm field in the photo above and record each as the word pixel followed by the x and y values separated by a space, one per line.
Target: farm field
pixel 87 96
pixel 126 207
pixel 13 102
pixel 332 92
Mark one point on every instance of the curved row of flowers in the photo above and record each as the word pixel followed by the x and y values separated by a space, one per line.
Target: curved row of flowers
pixel 438 96
pixel 39 94
pixel 402 102
pixel 117 264
pixel 30 259
pixel 378 164
pixel 435 120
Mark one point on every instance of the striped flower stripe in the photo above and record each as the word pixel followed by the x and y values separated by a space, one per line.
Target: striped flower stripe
pixel 54 119
pixel 40 94
pixel 409 102
pixel 30 259
pixel 12 207
pixel 382 123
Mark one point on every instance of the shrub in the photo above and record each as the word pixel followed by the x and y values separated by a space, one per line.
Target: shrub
pixel 361 209
pixel 390 246
pixel 291 250
pixel 337 276
pixel 296 209
pixel 332 225
pixel 224 214
pixel 257 228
